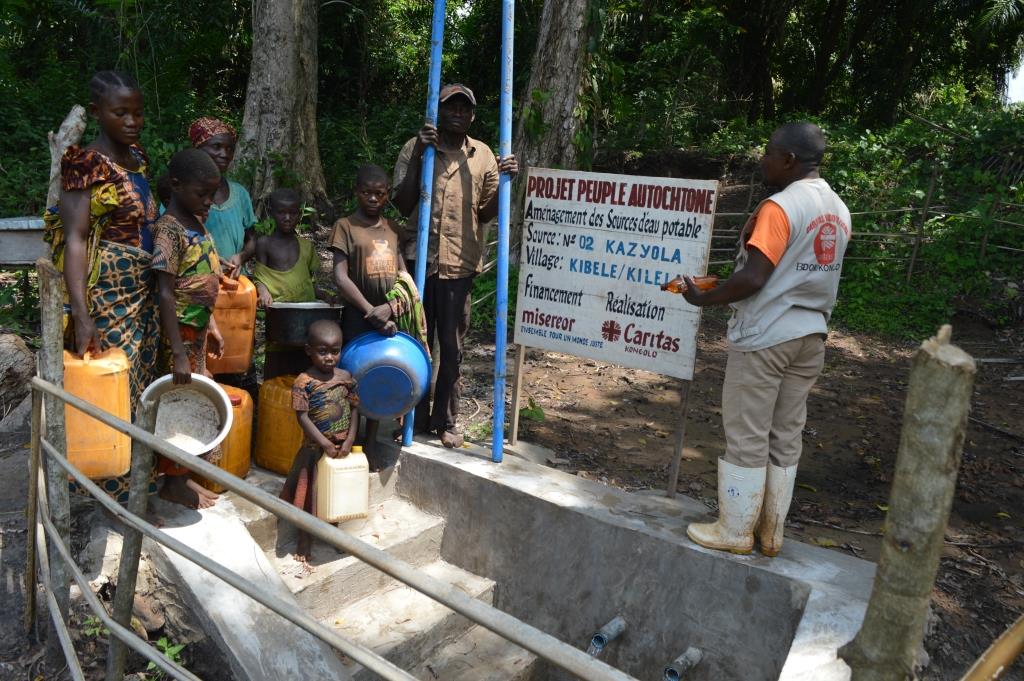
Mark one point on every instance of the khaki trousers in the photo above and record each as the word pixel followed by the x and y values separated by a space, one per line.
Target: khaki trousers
pixel 764 401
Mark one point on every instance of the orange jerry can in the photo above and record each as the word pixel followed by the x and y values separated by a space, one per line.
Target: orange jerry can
pixel 236 449
pixel 95 448
pixel 278 433
pixel 235 314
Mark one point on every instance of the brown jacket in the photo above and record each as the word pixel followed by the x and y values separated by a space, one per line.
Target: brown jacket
pixel 464 182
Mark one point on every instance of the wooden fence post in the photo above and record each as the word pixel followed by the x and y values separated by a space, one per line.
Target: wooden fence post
pixel 51 369
pixel 931 441
pixel 920 225
pixel 131 546
pixel 517 394
pixel 680 441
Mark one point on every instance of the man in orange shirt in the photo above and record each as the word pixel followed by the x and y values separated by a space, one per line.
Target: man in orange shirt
pixel 782 294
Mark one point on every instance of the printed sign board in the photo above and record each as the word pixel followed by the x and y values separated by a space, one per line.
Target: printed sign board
pixel 596 249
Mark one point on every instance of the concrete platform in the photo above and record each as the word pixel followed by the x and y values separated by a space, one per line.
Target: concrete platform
pixel 561 553
pixel 569 554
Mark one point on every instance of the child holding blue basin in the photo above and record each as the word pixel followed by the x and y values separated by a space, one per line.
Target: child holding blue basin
pixel 366 264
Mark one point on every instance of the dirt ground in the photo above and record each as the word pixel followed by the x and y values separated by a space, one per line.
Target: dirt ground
pixel 616 426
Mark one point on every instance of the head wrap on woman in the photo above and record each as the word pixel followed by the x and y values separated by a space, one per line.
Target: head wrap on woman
pixel 206 127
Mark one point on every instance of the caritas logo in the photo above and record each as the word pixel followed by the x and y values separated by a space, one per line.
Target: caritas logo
pixel 828 227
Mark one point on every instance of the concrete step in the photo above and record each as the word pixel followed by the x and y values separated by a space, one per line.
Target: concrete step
pixel 479 655
pixel 263 525
pixel 337 578
pixel 257 644
pixel 405 626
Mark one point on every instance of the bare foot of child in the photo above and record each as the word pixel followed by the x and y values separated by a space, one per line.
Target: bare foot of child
pixel 177 490
pixel 303 551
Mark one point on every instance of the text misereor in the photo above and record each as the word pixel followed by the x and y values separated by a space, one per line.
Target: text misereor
pixel 640 195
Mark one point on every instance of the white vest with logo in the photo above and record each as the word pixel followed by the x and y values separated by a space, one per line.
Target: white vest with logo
pixel 799 296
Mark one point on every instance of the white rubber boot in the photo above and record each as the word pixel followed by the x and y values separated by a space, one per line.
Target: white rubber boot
pixel 778 493
pixel 740 492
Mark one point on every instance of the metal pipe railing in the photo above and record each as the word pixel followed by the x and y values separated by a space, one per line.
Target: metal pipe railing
pixel 124 634
pixel 544 645
pixel 290 612
pixel 61 629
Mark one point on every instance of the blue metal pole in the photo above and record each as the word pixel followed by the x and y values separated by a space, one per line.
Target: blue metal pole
pixel 427 172
pixel 504 198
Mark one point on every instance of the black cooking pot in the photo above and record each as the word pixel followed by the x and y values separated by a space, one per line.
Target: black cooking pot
pixel 287 322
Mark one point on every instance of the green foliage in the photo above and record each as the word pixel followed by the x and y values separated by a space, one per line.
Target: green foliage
pixel 485 290
pixel 19 304
pixel 170 650
pixel 532 411
pixel 93 627
pixel 532 117
pixel 901 88
pixel 480 431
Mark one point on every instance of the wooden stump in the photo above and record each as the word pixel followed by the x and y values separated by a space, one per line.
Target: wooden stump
pixel 934 425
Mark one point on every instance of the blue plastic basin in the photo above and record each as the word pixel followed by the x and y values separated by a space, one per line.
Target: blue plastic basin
pixel 392 374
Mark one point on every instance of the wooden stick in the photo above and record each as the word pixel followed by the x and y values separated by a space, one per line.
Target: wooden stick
pixel 931 441
pixel 992 208
pixel 920 225
pixel 997 429
pixel 680 440
pixel 1000 655
pixel 31 505
pixel 70 132
pixel 517 394
pixel 131 547
pixel 51 369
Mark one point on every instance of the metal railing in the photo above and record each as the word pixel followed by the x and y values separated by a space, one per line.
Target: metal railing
pixel 48 514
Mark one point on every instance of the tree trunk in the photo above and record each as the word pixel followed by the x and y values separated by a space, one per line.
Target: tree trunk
pixel 279 139
pixel 934 424
pixel 548 123
pixel 70 132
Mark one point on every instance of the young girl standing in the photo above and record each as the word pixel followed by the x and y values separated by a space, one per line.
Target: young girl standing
pixel 189 275
pixel 101 239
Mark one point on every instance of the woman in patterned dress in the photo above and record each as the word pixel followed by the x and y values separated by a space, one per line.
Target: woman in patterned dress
pixel 101 239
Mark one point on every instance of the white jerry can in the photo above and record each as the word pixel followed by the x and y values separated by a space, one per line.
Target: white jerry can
pixel 343 487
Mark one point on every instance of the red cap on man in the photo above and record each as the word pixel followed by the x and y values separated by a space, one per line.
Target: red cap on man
pixel 451 89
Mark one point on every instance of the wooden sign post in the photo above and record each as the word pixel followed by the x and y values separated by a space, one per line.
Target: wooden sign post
pixel 595 250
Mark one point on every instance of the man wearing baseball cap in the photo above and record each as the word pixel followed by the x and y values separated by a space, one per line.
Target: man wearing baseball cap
pixel 465 199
